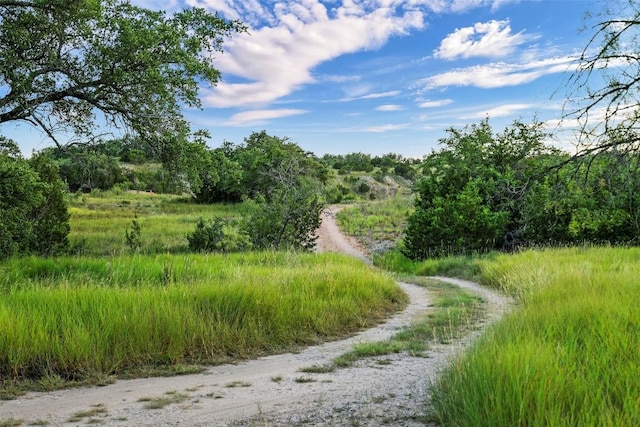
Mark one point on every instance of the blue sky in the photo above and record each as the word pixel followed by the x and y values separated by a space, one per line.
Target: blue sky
pixel 380 76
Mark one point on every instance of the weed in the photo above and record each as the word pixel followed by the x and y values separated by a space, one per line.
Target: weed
pixel 11 422
pixel 318 369
pixel 304 380
pixel 133 235
pixel 453 311
pixel 277 378
pixel 234 384
pixel 379 399
pixel 213 395
pixel 95 410
pixel 169 398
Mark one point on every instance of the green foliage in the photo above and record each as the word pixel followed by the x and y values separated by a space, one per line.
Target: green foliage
pixel 221 178
pixel 219 235
pixel 484 192
pixel 133 235
pixel 32 207
pixel 51 219
pixel 283 185
pixel 287 220
pixel 84 169
pixel 65 61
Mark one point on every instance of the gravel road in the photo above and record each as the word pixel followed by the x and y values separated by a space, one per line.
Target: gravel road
pixel 271 391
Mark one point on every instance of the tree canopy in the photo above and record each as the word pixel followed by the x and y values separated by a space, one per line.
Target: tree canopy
pixel 71 67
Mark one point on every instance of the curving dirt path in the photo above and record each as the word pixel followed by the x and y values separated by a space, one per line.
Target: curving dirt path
pixel 271 391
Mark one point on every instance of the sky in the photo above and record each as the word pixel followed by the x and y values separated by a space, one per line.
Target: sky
pixel 382 76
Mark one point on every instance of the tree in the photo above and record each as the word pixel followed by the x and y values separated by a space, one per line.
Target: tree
pixel 288 217
pixel 69 67
pixel 263 157
pixel 472 193
pixel 34 214
pixel 607 82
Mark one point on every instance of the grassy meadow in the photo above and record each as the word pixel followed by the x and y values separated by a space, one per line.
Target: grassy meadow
pixel 78 318
pixel 568 354
pixel 108 312
pixel 378 221
pixel 99 221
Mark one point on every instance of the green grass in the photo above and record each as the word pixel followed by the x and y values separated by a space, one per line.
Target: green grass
pixel 96 410
pixel 82 318
pixel 454 312
pixel 99 221
pixel 379 221
pixel 467 267
pixel 568 355
pixel 169 398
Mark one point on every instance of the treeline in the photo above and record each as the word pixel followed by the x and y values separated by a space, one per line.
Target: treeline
pixel 229 173
pixel 283 188
pixel 390 163
pixel 481 191
pixel 485 191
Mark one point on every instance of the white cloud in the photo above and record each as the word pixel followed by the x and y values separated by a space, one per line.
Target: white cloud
pixel 389 107
pixel 256 116
pixel 435 104
pixel 385 128
pixel 368 96
pixel 278 58
pixel 380 95
pixel 466 5
pixel 499 74
pixel 248 11
pixel 500 111
pixel 489 39
pixel 337 78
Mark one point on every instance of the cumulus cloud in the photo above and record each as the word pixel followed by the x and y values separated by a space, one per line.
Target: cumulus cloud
pixel 499 74
pixel 466 5
pixel 289 40
pixel 489 39
pixel 256 116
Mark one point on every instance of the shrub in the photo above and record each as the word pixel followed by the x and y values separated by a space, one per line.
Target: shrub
pixel 219 235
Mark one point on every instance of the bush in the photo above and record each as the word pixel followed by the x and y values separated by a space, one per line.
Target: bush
pixel 32 207
pixel 219 235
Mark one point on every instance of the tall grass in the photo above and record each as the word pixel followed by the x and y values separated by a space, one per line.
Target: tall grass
pixel 81 317
pixel 568 355
pixel 99 221
pixel 376 221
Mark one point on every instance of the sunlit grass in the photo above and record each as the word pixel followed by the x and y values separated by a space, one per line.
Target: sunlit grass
pixel 99 221
pixel 90 317
pixel 378 221
pixel 568 355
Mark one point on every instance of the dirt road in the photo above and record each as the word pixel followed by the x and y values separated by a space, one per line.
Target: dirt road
pixel 270 391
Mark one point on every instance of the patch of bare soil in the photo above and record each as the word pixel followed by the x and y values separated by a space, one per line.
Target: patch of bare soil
pixel 271 391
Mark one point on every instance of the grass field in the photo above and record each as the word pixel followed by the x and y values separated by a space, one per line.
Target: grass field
pixel 81 318
pixel 380 221
pixel 110 311
pixel 99 221
pixel 567 355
